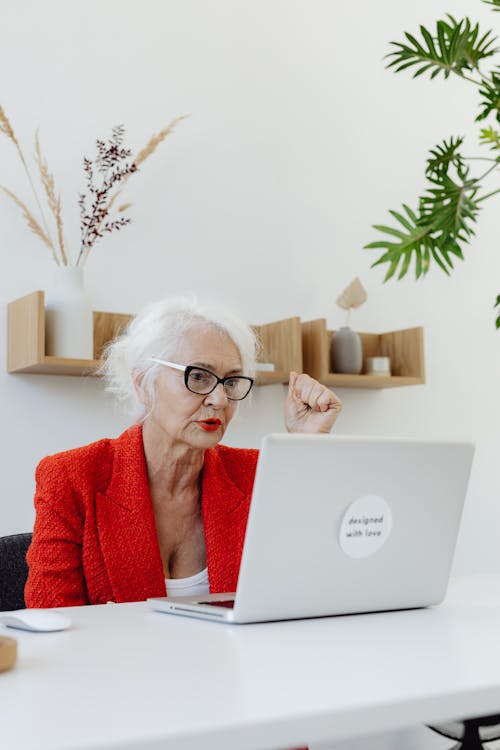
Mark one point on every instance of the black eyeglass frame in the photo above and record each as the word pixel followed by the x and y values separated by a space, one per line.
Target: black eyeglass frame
pixel 190 368
pixel 187 369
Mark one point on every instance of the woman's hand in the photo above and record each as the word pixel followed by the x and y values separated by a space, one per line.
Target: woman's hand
pixel 310 406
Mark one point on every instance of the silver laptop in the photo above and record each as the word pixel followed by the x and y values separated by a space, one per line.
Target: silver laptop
pixel 342 525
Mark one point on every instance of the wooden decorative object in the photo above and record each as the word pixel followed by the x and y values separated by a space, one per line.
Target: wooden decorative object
pixel 107 326
pixel 8 653
pixel 281 344
pixel 26 339
pixel 353 295
pixel 25 332
pixel 405 349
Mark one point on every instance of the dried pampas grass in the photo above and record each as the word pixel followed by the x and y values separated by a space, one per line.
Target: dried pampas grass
pixel 155 140
pixel 8 130
pixel 53 201
pixel 30 219
pixel 6 127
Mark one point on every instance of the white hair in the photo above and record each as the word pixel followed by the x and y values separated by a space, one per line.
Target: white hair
pixel 157 331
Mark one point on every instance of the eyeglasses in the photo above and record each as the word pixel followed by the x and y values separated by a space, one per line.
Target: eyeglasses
pixel 201 381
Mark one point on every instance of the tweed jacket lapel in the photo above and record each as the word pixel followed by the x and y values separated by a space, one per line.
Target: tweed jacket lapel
pixel 225 512
pixel 126 525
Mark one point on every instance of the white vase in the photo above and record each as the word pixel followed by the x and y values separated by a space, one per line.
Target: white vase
pixel 69 328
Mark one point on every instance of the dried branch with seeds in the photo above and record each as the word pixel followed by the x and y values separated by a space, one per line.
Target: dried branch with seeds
pixel 105 178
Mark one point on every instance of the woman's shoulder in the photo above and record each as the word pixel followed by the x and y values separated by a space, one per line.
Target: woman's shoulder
pixel 74 462
pixel 94 458
pixel 81 453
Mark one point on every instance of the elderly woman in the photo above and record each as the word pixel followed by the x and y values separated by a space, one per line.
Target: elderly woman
pixel 163 506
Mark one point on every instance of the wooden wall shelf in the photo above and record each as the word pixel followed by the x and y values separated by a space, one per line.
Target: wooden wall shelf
pixel 26 339
pixel 281 342
pixel 405 349
pixel 289 344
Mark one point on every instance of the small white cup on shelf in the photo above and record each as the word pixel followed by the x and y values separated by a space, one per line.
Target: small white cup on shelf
pixel 265 367
pixel 378 366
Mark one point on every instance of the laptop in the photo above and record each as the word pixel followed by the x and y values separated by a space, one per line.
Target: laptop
pixel 341 525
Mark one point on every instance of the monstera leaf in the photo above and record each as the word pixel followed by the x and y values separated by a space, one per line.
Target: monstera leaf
pixel 442 223
pixel 454 48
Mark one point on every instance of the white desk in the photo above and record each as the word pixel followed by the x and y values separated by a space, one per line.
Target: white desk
pixel 126 677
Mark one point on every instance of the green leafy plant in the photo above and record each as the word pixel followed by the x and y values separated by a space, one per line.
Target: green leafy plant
pixel 443 222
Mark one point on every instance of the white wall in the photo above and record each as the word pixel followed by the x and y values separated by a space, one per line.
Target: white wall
pixel 298 141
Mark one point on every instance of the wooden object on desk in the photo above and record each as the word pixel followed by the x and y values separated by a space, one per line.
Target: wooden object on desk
pixel 8 653
pixel 405 349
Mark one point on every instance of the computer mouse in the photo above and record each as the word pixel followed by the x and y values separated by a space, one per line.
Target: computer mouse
pixel 39 620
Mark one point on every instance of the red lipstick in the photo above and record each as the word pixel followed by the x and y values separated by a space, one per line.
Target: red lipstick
pixel 210 425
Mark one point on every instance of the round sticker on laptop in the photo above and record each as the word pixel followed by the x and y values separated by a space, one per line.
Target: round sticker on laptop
pixel 366 526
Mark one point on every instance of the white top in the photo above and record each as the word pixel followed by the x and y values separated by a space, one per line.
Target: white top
pixel 196 585
pixel 284 684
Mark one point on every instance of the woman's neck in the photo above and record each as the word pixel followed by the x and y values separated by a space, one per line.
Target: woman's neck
pixel 174 468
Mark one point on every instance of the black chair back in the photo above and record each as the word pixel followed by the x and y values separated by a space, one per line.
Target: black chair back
pixel 13 570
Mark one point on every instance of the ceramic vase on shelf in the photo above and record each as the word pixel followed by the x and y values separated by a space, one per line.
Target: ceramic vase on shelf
pixel 346 352
pixel 69 329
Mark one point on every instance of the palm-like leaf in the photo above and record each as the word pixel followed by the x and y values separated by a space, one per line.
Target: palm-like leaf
pixel 444 220
pixel 490 136
pixel 494 3
pixel 455 47
pixel 443 155
pixel 490 91
pixel 420 241
pixel 412 239
pixel 449 204
pixel 450 207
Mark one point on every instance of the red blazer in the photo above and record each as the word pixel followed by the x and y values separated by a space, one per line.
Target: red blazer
pixel 95 539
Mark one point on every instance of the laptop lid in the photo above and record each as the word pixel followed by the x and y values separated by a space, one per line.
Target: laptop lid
pixel 348 524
